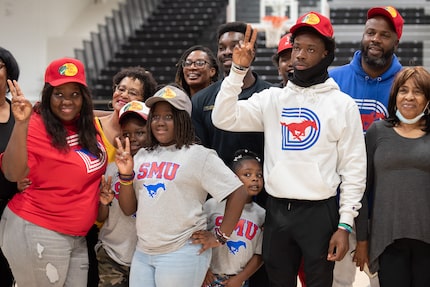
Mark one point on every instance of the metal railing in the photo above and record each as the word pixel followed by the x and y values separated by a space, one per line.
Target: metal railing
pixel 118 27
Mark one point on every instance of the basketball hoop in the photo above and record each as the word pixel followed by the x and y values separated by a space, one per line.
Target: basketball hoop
pixel 274 28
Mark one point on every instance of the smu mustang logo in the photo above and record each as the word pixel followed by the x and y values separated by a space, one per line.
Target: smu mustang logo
pixel 300 128
pixel 234 246
pixel 159 171
pixel 245 229
pixel 370 111
pixel 153 188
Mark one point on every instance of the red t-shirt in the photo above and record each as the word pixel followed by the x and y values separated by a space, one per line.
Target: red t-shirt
pixel 64 192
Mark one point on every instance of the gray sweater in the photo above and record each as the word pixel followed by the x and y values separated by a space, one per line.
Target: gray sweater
pixel 397 198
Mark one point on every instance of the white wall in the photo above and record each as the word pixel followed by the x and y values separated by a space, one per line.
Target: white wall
pixel 39 31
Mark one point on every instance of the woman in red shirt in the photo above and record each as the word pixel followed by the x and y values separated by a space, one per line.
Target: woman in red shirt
pixel 57 146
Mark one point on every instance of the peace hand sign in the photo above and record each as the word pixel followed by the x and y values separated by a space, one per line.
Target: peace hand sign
pixel 21 107
pixel 106 192
pixel 244 52
pixel 123 158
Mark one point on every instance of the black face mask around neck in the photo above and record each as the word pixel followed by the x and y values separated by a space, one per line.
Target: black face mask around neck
pixel 315 75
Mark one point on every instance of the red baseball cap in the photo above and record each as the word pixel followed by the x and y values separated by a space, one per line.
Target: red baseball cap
pixel 391 14
pixel 65 70
pixel 316 21
pixel 284 43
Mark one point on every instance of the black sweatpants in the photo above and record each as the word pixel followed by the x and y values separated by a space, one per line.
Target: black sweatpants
pixel 294 229
pixel 405 263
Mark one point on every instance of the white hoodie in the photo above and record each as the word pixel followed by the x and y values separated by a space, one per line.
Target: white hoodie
pixel 313 139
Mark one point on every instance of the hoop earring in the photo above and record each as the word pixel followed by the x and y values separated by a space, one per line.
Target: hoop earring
pixel 109 105
pixel 427 109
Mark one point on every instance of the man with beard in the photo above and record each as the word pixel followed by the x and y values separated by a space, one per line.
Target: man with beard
pixel 367 79
pixel 313 145
pixel 369 75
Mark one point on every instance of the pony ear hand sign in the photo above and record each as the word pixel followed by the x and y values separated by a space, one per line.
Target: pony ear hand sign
pixel 244 52
pixel 123 158
pixel 21 107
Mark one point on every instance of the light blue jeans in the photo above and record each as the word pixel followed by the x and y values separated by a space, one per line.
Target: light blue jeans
pixel 183 267
pixel 41 257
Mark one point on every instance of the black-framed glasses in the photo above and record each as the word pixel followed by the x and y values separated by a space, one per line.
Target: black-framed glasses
pixel 200 63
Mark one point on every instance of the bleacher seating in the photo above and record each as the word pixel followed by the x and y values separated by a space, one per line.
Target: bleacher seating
pixel 263 64
pixel 156 43
pixel 409 53
pixel 154 34
pixel 357 16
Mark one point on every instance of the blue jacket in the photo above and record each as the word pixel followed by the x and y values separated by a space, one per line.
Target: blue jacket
pixel 370 94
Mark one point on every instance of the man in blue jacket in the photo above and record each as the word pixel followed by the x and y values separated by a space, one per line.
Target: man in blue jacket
pixel 367 79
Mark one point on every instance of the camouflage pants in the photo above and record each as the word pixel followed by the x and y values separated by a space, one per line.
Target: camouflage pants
pixel 111 274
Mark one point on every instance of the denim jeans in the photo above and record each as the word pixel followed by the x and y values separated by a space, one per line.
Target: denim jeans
pixel 42 257
pixel 183 267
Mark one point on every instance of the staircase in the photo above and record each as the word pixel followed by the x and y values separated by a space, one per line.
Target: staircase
pixel 154 34
pixel 158 43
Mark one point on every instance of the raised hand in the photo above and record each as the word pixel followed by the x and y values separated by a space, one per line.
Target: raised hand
pixel 106 193
pixel 21 107
pixel 123 158
pixel 244 52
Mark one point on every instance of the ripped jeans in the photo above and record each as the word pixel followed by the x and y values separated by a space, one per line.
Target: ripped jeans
pixel 41 257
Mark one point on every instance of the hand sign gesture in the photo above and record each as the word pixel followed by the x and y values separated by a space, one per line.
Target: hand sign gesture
pixel 123 158
pixel 21 107
pixel 106 193
pixel 244 52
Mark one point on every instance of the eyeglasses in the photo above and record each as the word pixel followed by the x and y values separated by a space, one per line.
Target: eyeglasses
pixel 166 118
pixel 198 63
pixel 73 97
pixel 122 89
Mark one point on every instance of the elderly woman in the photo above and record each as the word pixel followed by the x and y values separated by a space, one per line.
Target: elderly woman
pixel 129 84
pixel 398 187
